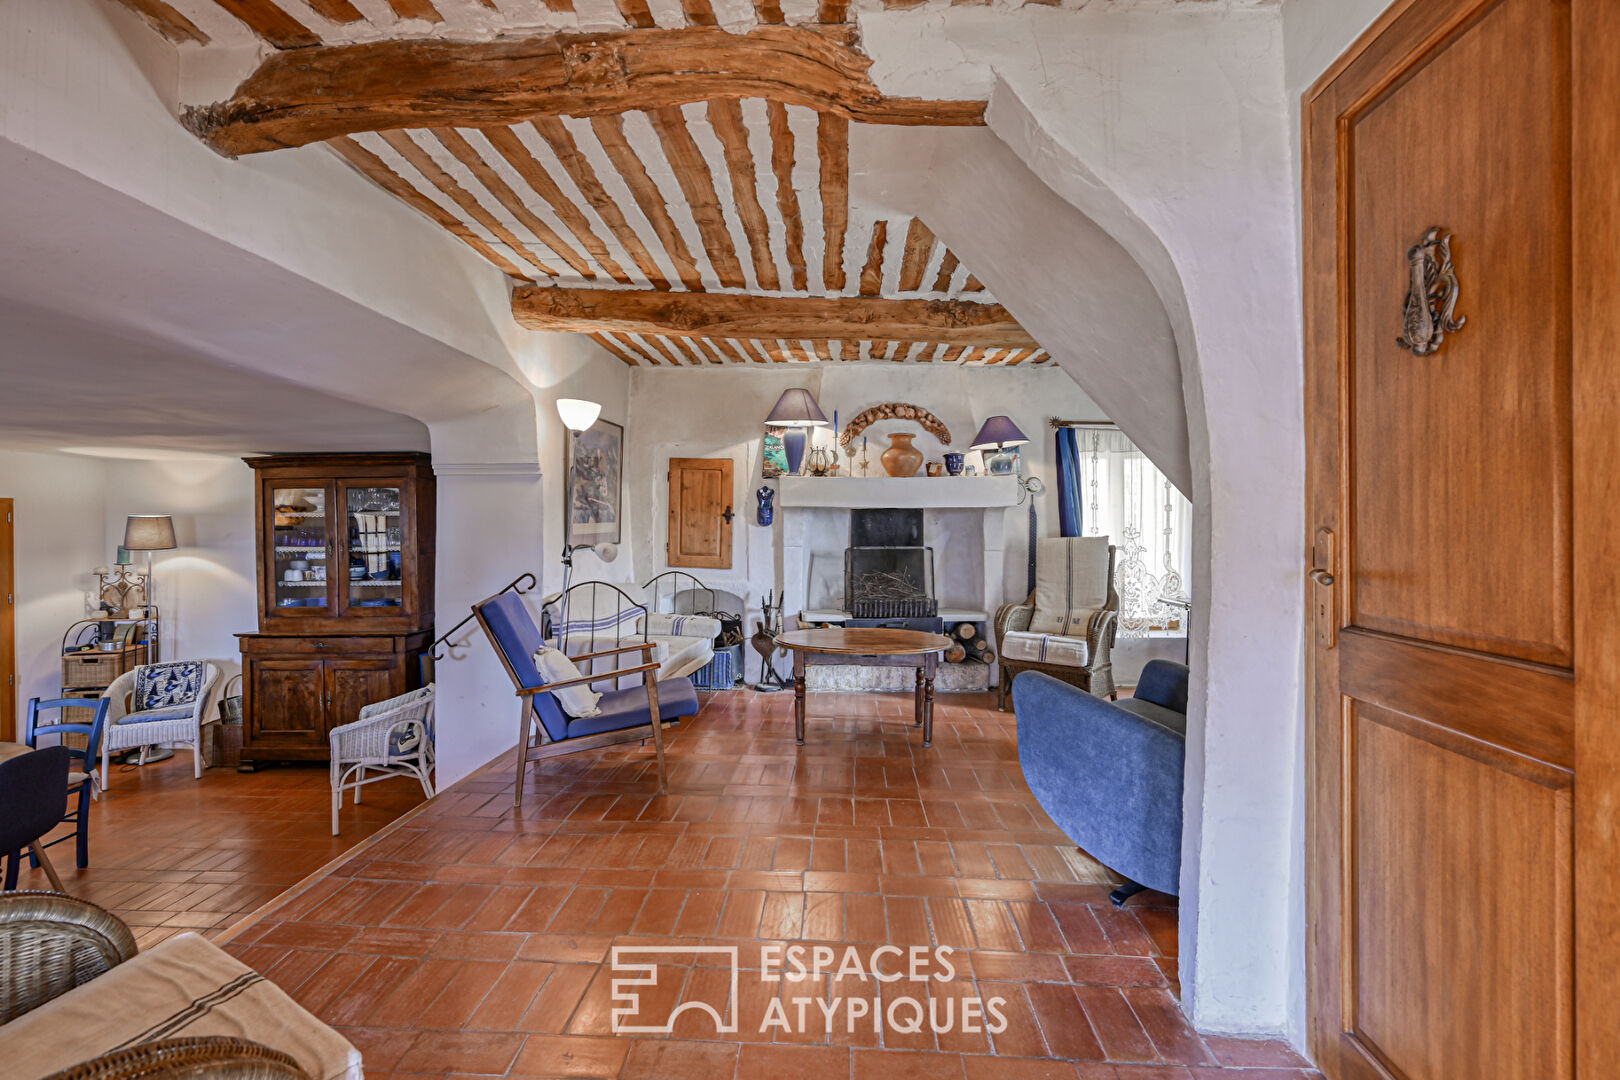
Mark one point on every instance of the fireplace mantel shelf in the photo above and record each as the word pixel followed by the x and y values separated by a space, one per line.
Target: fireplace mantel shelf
pixel 945 492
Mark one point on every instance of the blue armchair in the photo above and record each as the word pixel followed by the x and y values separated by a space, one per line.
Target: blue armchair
pixel 1110 773
pixel 511 629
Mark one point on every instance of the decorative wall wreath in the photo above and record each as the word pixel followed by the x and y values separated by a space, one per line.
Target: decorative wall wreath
pixel 897 410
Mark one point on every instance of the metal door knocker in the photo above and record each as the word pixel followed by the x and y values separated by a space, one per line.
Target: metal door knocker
pixel 1431 298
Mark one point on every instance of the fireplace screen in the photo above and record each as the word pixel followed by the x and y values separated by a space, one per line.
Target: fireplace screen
pixel 890 582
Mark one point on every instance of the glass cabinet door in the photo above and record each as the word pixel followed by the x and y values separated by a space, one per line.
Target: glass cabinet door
pixel 301 532
pixel 374 549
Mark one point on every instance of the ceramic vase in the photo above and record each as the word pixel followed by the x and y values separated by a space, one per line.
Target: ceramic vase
pixel 901 458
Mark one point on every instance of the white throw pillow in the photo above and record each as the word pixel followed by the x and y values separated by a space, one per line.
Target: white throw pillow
pixel 554 666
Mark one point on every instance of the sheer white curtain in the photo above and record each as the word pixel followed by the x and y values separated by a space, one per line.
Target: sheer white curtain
pixel 1126 499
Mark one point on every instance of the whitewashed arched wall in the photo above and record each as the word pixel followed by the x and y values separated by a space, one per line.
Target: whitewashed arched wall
pixel 1168 132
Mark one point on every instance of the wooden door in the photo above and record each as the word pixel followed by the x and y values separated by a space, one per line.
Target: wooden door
pixel 8 624
pixel 353 684
pixel 1463 650
pixel 700 512
pixel 286 702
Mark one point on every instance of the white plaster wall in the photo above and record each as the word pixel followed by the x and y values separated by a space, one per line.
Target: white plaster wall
pixel 718 413
pixel 59 528
pixel 207 586
pixel 1170 131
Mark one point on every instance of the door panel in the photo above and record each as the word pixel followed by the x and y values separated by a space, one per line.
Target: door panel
pixel 1461 883
pixel 1459 462
pixel 1445 667
pixel 288 702
pixel 353 684
pixel 700 512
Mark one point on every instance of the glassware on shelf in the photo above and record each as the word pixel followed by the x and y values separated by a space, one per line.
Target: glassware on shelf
pixel 373 543
pixel 300 536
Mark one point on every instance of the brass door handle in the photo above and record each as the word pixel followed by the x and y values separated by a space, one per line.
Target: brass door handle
pixel 1321 577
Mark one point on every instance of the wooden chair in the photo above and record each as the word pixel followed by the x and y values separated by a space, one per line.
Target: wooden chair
pixel 621 714
pixel 82 773
pixel 33 794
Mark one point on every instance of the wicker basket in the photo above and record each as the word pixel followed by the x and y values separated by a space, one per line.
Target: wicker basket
pixel 95 668
pixel 721 673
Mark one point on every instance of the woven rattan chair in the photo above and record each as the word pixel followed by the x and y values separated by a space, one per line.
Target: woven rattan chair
pixel 51 943
pixel 214 1057
pixel 1096 672
pixel 391 738
pixel 130 726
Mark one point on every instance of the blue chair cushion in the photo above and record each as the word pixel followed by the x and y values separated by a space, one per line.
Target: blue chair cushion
pixel 158 686
pixel 628 707
pixel 174 712
pixel 1168 719
pixel 517 638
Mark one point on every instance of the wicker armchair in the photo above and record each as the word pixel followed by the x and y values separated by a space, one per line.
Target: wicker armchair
pixel 391 738
pixel 128 728
pixel 1090 668
pixel 213 1057
pixel 51 943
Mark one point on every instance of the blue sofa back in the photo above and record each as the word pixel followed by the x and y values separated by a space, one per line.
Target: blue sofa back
pixel 1110 775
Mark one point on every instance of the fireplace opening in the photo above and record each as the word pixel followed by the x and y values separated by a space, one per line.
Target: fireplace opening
pixel 888 570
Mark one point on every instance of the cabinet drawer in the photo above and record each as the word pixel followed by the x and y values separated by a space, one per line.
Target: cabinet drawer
pixel 332 645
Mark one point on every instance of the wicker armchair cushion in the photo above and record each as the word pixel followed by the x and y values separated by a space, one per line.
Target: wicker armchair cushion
pixel 1071 582
pixel 555 667
pixel 1045 648
pixel 147 716
pixel 160 686
pixel 50 943
pixel 214 1057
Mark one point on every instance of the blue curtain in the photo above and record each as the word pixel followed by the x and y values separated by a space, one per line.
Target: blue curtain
pixel 1071 512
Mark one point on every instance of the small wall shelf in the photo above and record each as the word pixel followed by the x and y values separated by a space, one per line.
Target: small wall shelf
pixel 945 492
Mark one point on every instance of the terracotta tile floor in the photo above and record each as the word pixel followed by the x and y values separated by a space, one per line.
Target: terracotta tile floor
pixel 470 941
pixel 169 852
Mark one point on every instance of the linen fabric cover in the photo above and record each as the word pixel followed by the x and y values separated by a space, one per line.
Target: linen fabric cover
pixel 554 666
pixel 1071 584
pixel 1045 648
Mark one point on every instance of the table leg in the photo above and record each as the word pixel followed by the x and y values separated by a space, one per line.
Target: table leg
pixel 928 701
pixel 917 699
pixel 798 697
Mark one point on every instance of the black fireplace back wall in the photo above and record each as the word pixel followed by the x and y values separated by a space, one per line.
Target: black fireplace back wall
pixel 886 528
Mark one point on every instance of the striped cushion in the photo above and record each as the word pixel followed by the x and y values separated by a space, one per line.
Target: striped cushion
pixel 1045 648
pixel 1071 582
pixel 661 624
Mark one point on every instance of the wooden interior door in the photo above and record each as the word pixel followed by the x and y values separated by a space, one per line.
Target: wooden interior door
pixel 700 512
pixel 353 684
pixel 1461 511
pixel 8 624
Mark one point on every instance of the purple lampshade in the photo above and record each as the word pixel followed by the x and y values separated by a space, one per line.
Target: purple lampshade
pixel 796 408
pixel 998 431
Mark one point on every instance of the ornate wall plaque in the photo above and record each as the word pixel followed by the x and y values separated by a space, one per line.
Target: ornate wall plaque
pixel 1431 298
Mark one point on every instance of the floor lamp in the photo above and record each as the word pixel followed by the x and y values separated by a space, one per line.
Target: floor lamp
pixel 149 533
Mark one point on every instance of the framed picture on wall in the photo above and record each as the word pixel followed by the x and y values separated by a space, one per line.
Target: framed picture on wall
pixel 594 466
pixel 773 462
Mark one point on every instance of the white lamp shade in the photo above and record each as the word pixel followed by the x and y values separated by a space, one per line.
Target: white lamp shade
pixel 149 532
pixel 577 413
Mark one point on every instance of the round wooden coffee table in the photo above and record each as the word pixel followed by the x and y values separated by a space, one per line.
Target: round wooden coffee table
pixel 875 647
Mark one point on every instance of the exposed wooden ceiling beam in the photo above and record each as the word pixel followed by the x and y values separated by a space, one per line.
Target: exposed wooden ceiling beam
pixel 732 315
pixel 416 9
pixel 612 346
pixel 610 133
pixel 579 170
pixel 872 272
pixel 339 11
pixel 832 144
pixel 509 146
pixel 947 270
pixel 725 116
pixel 167 21
pixel 305 95
pixel 787 196
pixel 377 170
pixel 919 249
pixel 692 174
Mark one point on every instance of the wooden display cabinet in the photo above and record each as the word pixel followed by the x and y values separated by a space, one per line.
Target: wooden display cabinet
pixel 345 581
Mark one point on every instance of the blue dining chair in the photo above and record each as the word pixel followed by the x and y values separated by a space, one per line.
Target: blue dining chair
pixel 33 790
pixel 512 630
pixel 82 770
